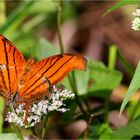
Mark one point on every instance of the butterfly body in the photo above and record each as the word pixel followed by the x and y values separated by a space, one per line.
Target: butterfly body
pixel 24 81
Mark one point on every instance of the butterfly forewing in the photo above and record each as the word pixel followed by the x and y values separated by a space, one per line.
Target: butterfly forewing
pixel 54 69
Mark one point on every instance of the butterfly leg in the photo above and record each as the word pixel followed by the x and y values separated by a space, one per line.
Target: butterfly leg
pixel 26 113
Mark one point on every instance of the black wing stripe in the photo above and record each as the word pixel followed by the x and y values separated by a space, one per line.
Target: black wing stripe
pixel 15 62
pixel 35 88
pixel 60 67
pixel 10 48
pixel 42 74
pixel 39 69
pixel 49 76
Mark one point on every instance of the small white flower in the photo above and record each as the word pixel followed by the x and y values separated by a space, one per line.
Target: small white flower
pixel 137 13
pixel 136 21
pixel 36 110
pixel 62 109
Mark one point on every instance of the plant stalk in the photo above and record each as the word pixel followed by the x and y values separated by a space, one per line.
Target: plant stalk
pixel 74 87
pixel 18 131
pixel 44 127
pixel 59 26
pixel 73 80
pixel 111 65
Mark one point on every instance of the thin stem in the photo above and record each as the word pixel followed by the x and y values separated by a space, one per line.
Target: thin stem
pixel 18 132
pixel 44 127
pixel 16 128
pixel 88 125
pixel 74 88
pixel 134 111
pixel 73 84
pixel 111 65
pixel 112 57
pixel 59 26
pixel 107 104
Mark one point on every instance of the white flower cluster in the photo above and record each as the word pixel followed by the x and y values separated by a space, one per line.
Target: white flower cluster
pixel 136 21
pixel 36 110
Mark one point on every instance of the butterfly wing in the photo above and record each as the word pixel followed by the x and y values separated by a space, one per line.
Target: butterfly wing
pixel 11 64
pixel 51 70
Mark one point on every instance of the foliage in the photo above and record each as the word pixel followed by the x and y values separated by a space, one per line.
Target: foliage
pixel 132 128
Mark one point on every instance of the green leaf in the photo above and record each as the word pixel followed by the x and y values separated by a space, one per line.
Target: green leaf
pixel 104 132
pixel 128 131
pixel 8 136
pixel 102 78
pixel 120 4
pixel 134 86
pixel 97 78
pixel 45 49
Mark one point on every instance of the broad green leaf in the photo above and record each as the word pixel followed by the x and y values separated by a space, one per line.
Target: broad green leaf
pixel 128 131
pixel 134 86
pixel 8 136
pixel 45 49
pixel 120 4
pixel 81 81
pixel 104 132
pixel 102 78
pixel 97 78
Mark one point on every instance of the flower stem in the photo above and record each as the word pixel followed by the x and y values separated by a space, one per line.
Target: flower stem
pixel 88 125
pixel 59 26
pixel 18 132
pixel 44 127
pixel 112 57
pixel 73 85
pixel 74 88
pixel 111 65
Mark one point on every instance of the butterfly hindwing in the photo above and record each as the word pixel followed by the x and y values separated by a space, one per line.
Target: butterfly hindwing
pixel 11 63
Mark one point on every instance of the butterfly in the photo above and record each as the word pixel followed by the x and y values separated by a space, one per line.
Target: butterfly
pixel 24 81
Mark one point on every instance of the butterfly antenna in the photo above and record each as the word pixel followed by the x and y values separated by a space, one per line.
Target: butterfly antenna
pixel 30 52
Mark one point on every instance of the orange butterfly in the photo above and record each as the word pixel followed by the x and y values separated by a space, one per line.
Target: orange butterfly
pixel 24 81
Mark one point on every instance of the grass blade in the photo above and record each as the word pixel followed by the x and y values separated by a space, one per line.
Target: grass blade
pixel 134 86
